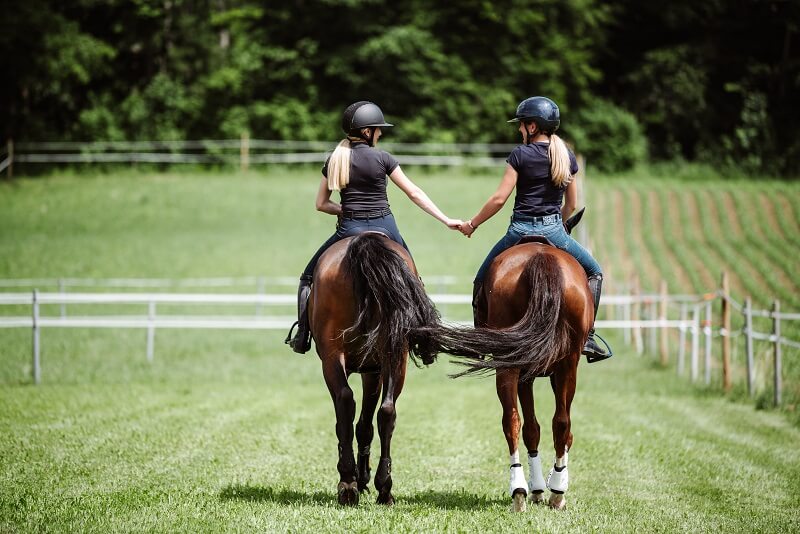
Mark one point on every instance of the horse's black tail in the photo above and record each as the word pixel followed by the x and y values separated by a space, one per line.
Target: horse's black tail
pixel 391 303
pixel 540 338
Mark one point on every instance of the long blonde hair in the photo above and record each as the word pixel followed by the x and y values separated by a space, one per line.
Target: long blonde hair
pixel 339 166
pixel 559 161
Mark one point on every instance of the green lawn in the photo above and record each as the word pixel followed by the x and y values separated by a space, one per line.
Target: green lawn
pixel 179 447
pixel 231 431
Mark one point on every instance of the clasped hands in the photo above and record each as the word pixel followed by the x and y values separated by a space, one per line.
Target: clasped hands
pixel 465 227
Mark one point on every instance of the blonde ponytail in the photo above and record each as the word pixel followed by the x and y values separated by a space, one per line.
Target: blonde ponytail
pixel 339 166
pixel 559 161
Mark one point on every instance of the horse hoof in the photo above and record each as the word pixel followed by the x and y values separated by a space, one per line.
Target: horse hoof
pixel 557 501
pixel 348 494
pixel 519 500
pixel 385 498
pixel 537 497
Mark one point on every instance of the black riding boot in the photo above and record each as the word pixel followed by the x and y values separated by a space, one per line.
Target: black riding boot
pixel 301 341
pixel 593 351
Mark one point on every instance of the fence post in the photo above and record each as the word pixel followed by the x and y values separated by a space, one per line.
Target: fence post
pixel 10 169
pixel 37 371
pixel 244 152
pixel 748 333
pixel 682 340
pixel 636 316
pixel 151 331
pixel 664 349
pixel 708 330
pixel 725 332
pixel 776 331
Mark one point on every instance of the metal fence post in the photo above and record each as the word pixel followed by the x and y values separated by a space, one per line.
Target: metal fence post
pixel 151 330
pixel 748 336
pixel 37 371
pixel 776 331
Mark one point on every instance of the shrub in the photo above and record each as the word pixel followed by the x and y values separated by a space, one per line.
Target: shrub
pixel 609 137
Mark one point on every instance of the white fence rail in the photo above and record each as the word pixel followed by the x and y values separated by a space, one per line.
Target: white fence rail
pixel 153 321
pixel 645 319
pixel 245 152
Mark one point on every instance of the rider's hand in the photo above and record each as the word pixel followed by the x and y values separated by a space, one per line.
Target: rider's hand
pixel 454 224
pixel 467 229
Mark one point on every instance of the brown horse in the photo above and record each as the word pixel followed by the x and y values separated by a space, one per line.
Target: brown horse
pixel 534 317
pixel 366 300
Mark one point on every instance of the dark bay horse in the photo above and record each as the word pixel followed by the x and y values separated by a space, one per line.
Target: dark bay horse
pixel 366 300
pixel 533 320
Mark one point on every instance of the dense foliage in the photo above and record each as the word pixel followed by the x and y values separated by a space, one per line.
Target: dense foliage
pixel 716 81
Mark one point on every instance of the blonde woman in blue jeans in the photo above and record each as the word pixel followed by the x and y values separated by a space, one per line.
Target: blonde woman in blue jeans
pixel 541 170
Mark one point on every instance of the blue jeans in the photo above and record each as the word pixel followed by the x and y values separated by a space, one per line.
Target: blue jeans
pixel 553 229
pixel 347 227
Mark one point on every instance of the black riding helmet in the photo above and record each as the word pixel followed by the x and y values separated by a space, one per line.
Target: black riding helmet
pixel 541 110
pixel 362 114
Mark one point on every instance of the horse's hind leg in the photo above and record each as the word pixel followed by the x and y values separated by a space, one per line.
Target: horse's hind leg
pixel 387 415
pixel 506 381
pixel 345 406
pixel 530 436
pixel 563 383
pixel 364 429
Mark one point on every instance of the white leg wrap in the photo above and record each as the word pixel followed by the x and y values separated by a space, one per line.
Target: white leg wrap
pixel 517 475
pixel 558 481
pixel 536 482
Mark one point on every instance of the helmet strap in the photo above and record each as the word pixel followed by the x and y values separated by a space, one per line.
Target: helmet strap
pixel 371 138
pixel 528 134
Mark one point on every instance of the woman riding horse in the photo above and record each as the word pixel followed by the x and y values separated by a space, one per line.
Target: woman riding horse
pixel 542 170
pixel 358 171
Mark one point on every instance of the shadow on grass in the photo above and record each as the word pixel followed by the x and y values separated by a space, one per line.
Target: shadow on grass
pixel 450 500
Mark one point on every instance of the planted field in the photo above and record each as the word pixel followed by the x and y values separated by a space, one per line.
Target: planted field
pixel 232 431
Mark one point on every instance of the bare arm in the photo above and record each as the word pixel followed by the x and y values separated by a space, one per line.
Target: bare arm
pixel 495 202
pixel 419 198
pixel 570 199
pixel 324 202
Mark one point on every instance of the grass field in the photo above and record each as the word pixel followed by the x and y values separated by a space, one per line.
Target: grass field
pixel 230 431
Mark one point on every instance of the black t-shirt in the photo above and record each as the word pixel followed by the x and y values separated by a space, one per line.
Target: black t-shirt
pixel 368 169
pixel 536 193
